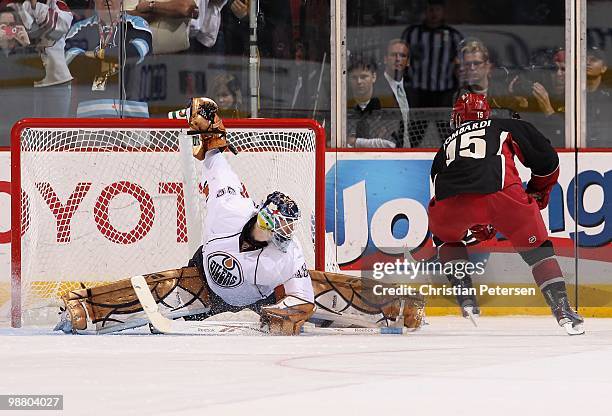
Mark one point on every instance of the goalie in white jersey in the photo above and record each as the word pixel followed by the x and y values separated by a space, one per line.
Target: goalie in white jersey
pixel 249 251
pixel 248 260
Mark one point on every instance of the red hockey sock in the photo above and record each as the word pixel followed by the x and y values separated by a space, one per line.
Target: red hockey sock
pixel 546 271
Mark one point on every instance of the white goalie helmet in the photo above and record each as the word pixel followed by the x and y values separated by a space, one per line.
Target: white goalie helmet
pixel 279 214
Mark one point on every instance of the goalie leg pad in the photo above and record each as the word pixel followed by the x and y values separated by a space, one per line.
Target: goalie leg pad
pixel 116 304
pixel 351 299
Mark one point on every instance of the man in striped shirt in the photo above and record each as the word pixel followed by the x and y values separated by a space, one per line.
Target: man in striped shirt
pixel 433 60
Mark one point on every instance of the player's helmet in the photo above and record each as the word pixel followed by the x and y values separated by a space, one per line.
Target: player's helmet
pixel 279 214
pixel 469 107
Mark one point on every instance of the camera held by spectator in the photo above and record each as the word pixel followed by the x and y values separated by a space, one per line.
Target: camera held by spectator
pixel 13 33
pixel 536 80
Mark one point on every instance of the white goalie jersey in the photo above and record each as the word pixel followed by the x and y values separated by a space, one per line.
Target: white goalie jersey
pixel 243 278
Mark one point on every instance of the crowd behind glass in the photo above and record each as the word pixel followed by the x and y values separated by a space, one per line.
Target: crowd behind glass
pixel 407 61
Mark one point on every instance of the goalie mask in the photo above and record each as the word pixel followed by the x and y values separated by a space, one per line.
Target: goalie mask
pixel 279 214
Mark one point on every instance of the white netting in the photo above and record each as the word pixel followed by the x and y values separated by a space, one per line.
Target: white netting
pixel 104 204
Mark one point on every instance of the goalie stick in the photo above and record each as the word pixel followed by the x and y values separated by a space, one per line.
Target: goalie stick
pixel 163 325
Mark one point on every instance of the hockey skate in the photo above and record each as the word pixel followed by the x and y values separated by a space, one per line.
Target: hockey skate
pixel 556 297
pixel 467 302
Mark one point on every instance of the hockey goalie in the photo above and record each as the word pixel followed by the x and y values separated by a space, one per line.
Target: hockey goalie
pixel 249 260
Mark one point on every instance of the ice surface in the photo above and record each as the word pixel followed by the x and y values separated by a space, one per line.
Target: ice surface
pixel 508 366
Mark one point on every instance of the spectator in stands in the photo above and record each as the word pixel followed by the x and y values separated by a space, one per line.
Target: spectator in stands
pixel 475 75
pixel 14 42
pixel 93 55
pixel 599 100
pixel 391 88
pixel 433 58
pixel 47 25
pixel 235 28
pixel 13 34
pixel 223 26
pixel 558 81
pixel 540 99
pixel 226 92
pixel 205 28
pixel 168 21
pixel 31 55
pixel 366 122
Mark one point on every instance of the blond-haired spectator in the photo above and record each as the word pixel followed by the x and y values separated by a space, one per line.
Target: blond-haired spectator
pixel 475 75
pixel 225 90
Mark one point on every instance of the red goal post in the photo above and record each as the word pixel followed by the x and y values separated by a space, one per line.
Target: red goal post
pixel 95 190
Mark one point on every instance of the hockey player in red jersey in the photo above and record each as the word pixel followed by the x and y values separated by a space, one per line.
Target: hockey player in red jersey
pixel 477 187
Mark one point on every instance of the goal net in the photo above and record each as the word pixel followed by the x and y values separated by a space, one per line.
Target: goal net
pixel 106 199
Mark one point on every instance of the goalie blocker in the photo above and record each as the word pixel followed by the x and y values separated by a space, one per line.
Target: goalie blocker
pixel 340 302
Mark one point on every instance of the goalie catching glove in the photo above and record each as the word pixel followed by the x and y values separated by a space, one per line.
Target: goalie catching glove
pixel 203 118
pixel 287 316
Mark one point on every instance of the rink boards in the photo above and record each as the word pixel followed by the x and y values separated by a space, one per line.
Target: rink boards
pixel 386 194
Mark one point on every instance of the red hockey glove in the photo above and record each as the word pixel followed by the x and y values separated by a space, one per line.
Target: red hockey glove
pixel 539 187
pixel 541 198
pixel 483 232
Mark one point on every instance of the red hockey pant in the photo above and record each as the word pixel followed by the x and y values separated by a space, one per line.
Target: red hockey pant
pixel 511 211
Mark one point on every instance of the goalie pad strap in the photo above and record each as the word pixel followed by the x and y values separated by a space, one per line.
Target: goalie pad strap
pixel 112 303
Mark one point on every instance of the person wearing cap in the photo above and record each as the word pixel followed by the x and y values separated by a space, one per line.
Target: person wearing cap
pixel 598 99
